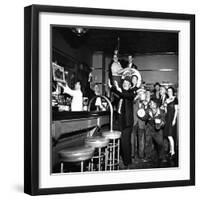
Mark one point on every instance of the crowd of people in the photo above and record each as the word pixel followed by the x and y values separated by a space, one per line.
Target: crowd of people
pixel 146 118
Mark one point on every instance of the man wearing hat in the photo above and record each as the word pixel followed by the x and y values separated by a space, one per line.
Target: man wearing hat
pixel 126 118
pixel 154 132
pixel 139 124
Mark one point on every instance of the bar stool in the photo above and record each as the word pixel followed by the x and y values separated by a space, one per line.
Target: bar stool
pixel 100 156
pixel 113 148
pixel 113 136
pixel 76 155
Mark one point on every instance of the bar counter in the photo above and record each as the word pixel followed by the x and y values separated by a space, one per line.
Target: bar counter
pixel 65 123
pixel 76 115
pixel 71 128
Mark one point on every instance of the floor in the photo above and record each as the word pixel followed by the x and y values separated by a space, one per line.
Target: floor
pixel 138 163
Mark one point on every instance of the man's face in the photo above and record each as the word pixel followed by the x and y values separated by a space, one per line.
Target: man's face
pixel 126 85
pixel 96 89
pixel 153 105
pixel 148 95
pixel 115 58
pixel 162 91
pixel 142 96
pixel 170 92
pixel 157 87
pixel 77 86
pixel 130 59
pixel 134 80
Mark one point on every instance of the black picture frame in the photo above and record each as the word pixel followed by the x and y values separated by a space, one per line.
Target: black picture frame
pixel 31 98
pixel 58 73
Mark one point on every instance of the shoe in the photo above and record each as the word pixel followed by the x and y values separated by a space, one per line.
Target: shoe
pixel 164 160
pixel 129 166
pixel 171 156
pixel 144 160
pixel 135 160
pixel 124 167
pixel 171 153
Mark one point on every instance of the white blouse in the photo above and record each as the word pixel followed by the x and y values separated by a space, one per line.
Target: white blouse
pixel 115 67
pixel 77 100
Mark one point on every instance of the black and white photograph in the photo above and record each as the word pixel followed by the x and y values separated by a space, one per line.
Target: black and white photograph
pixel 117 106
pixel 109 100
pixel 101 101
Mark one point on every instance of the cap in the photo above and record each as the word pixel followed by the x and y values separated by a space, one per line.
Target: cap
pixel 127 78
pixel 141 90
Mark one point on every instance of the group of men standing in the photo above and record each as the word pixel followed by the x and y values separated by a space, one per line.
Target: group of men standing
pixel 142 117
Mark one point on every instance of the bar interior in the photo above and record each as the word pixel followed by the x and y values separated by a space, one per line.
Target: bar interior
pixel 101 119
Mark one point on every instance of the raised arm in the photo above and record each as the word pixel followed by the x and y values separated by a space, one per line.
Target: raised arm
pixel 67 89
pixel 175 113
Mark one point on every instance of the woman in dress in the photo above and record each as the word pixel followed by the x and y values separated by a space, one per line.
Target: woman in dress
pixel 171 118
pixel 156 93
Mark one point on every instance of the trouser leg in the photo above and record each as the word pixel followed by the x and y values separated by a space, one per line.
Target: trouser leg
pixel 134 141
pixel 141 142
pixel 126 145
pixel 148 143
pixel 158 138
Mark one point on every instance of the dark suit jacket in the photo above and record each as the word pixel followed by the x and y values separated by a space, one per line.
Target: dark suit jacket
pixel 133 66
pixel 126 116
pixel 159 115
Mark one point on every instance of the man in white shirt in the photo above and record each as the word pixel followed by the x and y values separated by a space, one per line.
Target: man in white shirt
pixel 116 66
pixel 77 100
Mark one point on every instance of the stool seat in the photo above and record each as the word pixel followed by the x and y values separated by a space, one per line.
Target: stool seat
pixel 96 141
pixel 112 134
pixel 76 154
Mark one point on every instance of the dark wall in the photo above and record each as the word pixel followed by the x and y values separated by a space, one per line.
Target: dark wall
pixel 76 60
pixel 81 54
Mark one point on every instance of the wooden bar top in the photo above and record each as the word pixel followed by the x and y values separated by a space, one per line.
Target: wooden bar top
pixel 66 123
pixel 66 115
